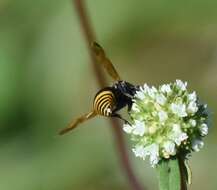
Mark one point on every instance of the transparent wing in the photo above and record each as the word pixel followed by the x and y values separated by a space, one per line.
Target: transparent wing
pixel 102 59
pixel 77 121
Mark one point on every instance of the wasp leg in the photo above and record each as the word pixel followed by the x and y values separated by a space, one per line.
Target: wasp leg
pixel 77 121
pixel 129 106
pixel 120 117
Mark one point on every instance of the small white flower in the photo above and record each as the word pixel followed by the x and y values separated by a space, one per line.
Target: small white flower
pixel 153 150
pixel 146 88
pixel 192 108
pixel 165 88
pixel 197 144
pixel 162 116
pixel 181 85
pixel 192 122
pixel 152 92
pixel 154 89
pixel 178 109
pixel 127 128
pixel 140 95
pixel 154 159
pixel 169 147
pixel 192 97
pixel 135 107
pixel 139 151
pixel 161 99
pixel 139 128
pixel 203 129
pixel 152 129
pixel 177 135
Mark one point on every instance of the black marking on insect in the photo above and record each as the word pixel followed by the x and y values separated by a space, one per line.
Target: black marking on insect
pixel 109 100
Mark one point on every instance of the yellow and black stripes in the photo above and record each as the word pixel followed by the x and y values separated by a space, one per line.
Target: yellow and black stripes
pixel 104 102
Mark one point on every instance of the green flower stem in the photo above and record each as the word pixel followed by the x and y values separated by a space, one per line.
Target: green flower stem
pixel 170 175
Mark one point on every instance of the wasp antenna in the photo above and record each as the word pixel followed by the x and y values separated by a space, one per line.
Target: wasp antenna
pixel 77 121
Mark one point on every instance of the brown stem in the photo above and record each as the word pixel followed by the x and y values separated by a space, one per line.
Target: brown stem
pixel 89 37
pixel 182 173
pixel 119 139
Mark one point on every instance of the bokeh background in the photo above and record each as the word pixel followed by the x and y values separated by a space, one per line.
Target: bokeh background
pixel 46 80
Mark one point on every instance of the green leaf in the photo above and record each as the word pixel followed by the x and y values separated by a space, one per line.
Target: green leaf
pixel 169 175
pixel 174 175
pixel 163 175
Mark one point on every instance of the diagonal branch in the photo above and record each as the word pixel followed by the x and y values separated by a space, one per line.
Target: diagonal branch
pixel 119 139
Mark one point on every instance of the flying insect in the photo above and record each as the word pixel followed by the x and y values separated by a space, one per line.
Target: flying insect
pixel 109 100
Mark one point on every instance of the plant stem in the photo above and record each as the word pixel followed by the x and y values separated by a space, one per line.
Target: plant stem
pixel 119 139
pixel 183 173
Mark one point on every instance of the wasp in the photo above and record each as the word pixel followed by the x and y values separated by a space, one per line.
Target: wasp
pixel 109 100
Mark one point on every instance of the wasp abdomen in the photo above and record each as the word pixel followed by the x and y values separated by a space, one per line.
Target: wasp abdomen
pixel 104 102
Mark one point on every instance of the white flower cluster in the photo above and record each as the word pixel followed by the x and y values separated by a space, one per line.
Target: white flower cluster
pixel 166 121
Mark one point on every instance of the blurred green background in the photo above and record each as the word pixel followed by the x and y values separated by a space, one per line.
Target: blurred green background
pixel 46 80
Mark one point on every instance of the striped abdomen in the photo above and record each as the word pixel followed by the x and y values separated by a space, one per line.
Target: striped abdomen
pixel 104 102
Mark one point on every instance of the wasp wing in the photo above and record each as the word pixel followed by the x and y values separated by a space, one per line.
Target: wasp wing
pixel 77 121
pixel 102 59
